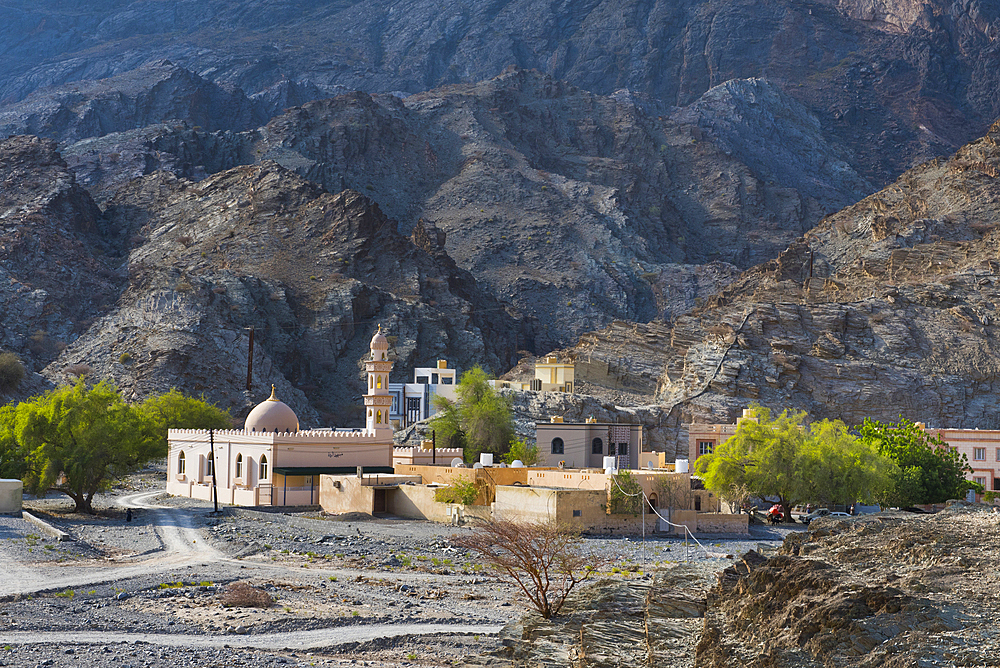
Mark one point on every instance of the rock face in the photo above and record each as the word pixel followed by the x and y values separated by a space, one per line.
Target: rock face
pixel 57 270
pixel 576 208
pixel 144 96
pixel 886 308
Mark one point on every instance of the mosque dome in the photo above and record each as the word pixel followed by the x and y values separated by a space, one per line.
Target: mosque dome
pixel 272 415
pixel 379 342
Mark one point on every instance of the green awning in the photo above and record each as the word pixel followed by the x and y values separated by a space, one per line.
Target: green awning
pixel 330 470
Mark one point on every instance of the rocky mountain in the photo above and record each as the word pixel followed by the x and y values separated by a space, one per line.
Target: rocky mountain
pixel 576 208
pixel 191 267
pixel 895 83
pixel 887 307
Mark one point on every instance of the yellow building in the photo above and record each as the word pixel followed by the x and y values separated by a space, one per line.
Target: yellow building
pixel 550 376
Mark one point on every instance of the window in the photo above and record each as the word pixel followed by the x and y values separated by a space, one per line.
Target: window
pixel 705 448
pixel 979 454
pixel 998 454
pixel 239 466
pixel 263 467
pixel 378 383
pixel 181 463
pixel 422 380
pixel 434 379
pixel 371 382
pixel 597 446
pixel 448 380
pixel 378 417
pixel 557 446
pixel 981 481
pixel 208 466
pixel 577 513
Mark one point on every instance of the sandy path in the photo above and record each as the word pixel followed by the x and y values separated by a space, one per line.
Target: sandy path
pixel 290 640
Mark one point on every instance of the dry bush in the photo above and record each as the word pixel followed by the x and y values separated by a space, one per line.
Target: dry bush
pixel 11 371
pixel 79 370
pixel 245 595
pixel 185 241
pixel 542 558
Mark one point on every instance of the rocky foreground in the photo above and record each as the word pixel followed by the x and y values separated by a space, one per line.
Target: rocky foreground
pixel 881 590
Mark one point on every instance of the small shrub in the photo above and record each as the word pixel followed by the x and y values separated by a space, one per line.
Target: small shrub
pixel 11 371
pixel 243 595
pixel 79 370
pixel 125 358
pixel 625 494
pixel 185 241
pixel 461 490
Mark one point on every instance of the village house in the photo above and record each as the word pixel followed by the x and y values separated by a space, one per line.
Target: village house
pixel 551 375
pixel 578 445
pixel 413 402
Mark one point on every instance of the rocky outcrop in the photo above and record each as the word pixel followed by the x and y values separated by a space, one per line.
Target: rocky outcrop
pixel 886 308
pixel 151 94
pixel 313 273
pixel 880 590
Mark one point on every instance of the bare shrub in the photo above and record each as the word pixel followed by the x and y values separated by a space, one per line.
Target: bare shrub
pixel 542 558
pixel 11 371
pixel 185 241
pixel 245 595
pixel 79 370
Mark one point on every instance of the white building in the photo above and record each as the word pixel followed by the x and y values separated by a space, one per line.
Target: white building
pixel 271 461
pixel 412 402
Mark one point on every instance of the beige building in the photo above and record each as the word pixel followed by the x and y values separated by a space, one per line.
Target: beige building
pixel 581 445
pixel 271 461
pixel 550 376
pixel 981 447
pixel 704 438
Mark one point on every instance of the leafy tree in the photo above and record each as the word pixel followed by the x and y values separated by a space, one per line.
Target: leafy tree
pixel 543 559
pixel 479 421
pixel 173 410
pixel 77 439
pixel 522 450
pixel 928 471
pixel 624 494
pixel 784 458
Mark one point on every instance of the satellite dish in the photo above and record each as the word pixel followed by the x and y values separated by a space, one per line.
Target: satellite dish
pixel 457 462
pixel 477 465
pixel 517 464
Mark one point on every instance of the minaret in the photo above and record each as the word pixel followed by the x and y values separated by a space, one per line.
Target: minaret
pixel 378 401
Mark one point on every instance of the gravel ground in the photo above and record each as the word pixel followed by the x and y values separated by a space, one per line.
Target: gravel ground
pixel 350 575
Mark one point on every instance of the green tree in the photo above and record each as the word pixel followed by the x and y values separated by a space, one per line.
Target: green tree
pixel 624 494
pixel 786 459
pixel 522 450
pixel 77 439
pixel 174 410
pixel 478 421
pixel 928 471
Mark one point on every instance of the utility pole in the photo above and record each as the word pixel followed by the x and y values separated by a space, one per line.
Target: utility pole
pixel 250 362
pixel 434 447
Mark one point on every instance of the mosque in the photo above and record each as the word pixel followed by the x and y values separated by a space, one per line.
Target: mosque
pixel 271 462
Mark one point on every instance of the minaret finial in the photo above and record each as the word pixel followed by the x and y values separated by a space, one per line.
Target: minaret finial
pixel 274 394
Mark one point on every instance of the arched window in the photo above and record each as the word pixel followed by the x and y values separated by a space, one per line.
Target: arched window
pixel 378 417
pixel 263 466
pixel 208 466
pixel 181 463
pixel 239 466
pixel 371 382
pixel 597 447
pixel 383 355
pixel 557 446
pixel 369 412
pixel 651 505
pixel 378 383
